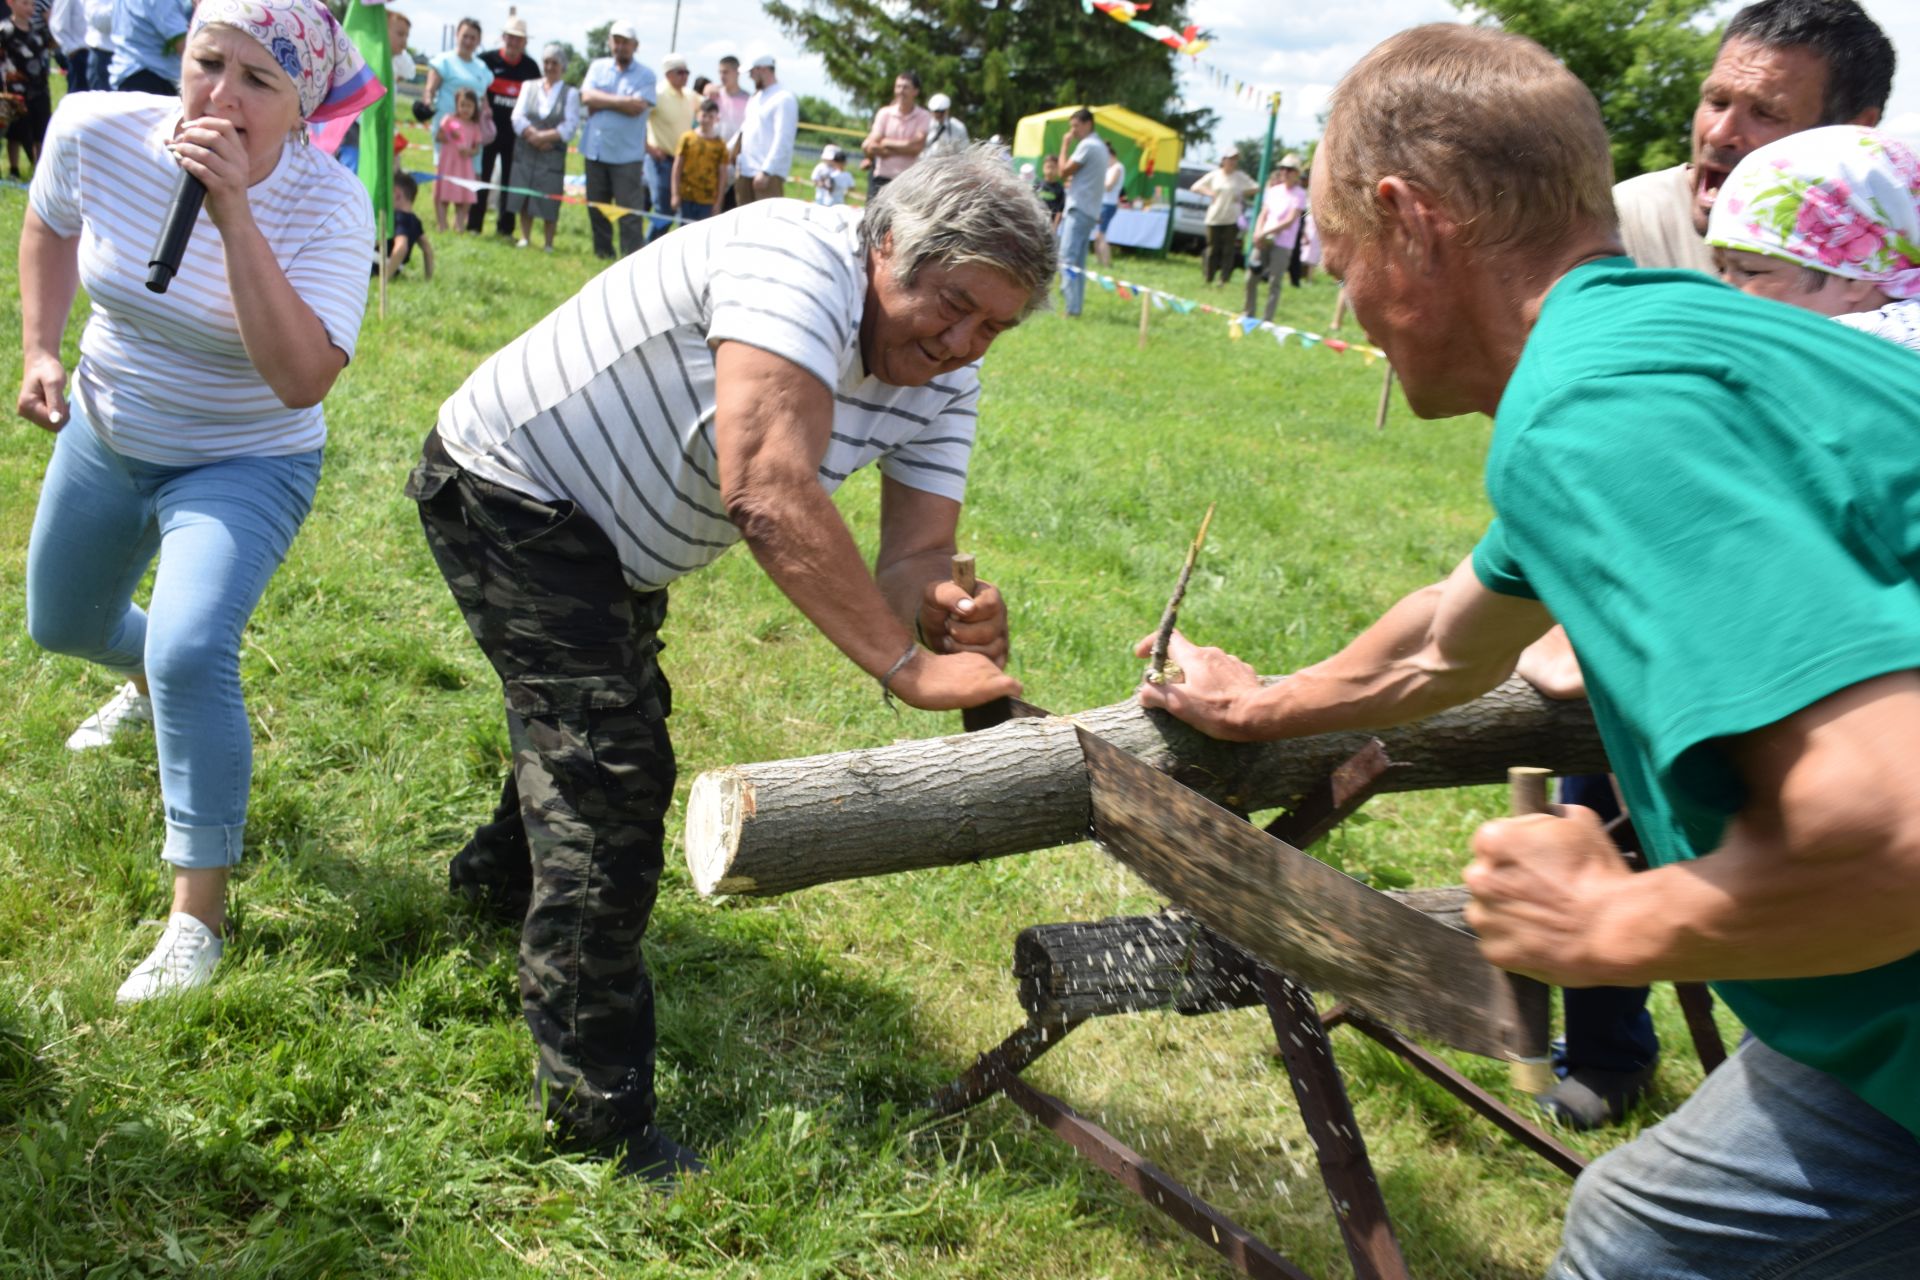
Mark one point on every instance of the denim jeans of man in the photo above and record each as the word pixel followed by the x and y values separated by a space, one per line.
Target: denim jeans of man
pixel 660 193
pixel 1770 1171
pixel 1076 233
pixel 221 529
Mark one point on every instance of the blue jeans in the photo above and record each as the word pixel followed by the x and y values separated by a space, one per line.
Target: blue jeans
pixel 1770 1171
pixel 220 530
pixel 694 211
pixel 1076 232
pixel 660 193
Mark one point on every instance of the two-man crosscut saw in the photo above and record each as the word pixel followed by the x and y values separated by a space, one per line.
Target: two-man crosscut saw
pixel 1304 917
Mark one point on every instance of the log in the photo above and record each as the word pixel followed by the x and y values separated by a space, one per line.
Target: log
pixel 772 828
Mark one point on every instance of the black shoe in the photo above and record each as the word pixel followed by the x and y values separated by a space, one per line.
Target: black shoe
pixel 653 1157
pixel 1588 1098
pixel 498 902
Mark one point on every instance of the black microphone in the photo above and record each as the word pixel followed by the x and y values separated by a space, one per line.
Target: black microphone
pixel 188 193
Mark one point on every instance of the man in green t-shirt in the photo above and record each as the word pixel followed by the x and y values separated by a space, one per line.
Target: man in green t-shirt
pixel 1719 498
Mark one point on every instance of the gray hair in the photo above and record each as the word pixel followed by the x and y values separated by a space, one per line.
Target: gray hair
pixel 558 52
pixel 965 207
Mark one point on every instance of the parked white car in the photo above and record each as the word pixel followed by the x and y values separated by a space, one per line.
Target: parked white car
pixel 1189 212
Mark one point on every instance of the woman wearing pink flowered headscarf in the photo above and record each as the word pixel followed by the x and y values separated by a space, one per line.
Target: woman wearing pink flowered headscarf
pixel 192 427
pixel 1827 220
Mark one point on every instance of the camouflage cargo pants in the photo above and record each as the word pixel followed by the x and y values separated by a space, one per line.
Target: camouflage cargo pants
pixel 579 831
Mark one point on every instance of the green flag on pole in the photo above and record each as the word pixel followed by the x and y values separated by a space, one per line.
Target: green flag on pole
pixel 366 26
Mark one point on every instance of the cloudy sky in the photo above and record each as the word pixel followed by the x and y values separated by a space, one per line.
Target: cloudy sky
pixel 1302 50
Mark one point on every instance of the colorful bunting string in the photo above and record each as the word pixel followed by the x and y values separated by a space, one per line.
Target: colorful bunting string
pixel 1239 325
pixel 1190 40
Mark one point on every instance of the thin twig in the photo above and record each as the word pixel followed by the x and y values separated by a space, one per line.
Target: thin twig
pixel 1158 667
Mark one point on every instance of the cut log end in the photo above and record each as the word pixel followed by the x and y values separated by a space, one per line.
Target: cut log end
pixel 718 806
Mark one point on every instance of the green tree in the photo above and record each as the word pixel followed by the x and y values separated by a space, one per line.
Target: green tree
pixel 815 110
pixel 999 60
pixel 576 65
pixel 598 46
pixel 1643 60
pixel 1249 149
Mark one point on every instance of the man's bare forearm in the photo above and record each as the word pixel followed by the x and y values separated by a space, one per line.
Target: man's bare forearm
pixel 1404 667
pixel 1756 909
pixel 798 537
pixel 904 582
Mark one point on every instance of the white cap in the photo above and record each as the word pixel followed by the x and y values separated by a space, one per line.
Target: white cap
pixel 764 60
pixel 673 62
pixel 516 26
pixel 829 152
pixel 939 102
pixel 623 31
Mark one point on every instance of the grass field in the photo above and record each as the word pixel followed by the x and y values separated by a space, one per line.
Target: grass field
pixel 351 1097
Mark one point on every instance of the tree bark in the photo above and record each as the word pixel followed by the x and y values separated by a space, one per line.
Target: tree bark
pixel 789 824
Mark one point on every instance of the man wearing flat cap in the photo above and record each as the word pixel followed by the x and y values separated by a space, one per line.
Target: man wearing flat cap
pixel 618 95
pixel 511 68
pixel 671 117
pixel 945 134
pixel 765 142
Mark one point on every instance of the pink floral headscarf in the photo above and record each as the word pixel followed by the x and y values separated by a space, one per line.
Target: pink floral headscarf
pixel 1843 200
pixel 303 37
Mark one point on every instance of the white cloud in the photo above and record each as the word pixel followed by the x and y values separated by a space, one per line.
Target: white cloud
pixel 1906 125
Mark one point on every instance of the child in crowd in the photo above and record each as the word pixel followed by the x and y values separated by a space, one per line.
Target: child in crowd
pixel 407 230
pixel 831 181
pixel 1053 192
pixel 1828 220
pixel 700 165
pixel 459 138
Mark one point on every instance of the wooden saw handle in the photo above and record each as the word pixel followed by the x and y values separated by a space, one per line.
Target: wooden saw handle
pixel 1530 1055
pixel 1000 710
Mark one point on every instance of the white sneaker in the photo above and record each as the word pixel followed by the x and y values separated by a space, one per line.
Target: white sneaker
pixel 182 960
pixel 127 711
pixel 519 244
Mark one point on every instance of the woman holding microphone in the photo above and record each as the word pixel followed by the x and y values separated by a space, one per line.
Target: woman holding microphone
pixel 194 429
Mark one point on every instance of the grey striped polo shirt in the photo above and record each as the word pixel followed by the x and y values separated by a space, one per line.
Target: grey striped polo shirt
pixel 609 400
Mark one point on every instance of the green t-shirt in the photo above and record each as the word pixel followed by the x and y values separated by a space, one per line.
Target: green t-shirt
pixel 1719 498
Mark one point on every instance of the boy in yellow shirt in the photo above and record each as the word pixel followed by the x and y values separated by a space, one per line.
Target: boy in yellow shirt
pixel 700 165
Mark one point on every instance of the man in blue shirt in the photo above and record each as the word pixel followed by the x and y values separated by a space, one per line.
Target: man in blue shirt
pixel 1083 166
pixel 618 93
pixel 147 36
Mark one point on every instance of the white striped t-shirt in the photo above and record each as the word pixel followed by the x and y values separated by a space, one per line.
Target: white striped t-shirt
pixel 164 377
pixel 609 400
